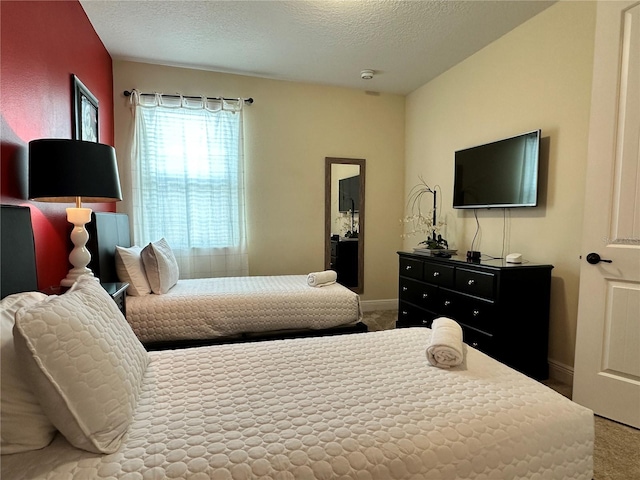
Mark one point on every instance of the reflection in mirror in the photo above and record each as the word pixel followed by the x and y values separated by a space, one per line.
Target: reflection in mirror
pixel 344 220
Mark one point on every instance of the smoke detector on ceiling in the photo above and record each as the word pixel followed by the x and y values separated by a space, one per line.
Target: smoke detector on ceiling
pixel 366 74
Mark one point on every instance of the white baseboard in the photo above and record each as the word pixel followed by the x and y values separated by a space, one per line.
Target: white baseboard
pixel 560 372
pixel 371 305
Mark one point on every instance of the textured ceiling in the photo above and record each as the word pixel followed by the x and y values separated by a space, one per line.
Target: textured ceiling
pixel 406 43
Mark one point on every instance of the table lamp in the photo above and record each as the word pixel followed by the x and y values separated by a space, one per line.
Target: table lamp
pixel 67 171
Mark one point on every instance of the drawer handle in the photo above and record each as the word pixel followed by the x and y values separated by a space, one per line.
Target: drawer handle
pixel 408 267
pixel 476 313
pixel 404 289
pixel 405 313
pixel 425 322
pixel 436 274
pixel 471 282
pixel 474 344
pixel 447 303
pixel 425 295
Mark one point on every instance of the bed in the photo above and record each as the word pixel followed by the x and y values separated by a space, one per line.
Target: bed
pixel 365 406
pixel 201 311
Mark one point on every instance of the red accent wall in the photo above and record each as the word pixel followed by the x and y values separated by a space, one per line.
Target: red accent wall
pixel 42 45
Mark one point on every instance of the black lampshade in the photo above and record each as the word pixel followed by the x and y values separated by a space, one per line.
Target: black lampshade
pixel 61 170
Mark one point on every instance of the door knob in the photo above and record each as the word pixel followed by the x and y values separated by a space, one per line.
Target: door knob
pixel 593 258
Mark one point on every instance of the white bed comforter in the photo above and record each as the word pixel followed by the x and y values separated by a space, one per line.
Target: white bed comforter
pixel 219 307
pixel 362 406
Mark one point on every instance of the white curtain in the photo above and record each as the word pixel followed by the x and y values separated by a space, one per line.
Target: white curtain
pixel 187 181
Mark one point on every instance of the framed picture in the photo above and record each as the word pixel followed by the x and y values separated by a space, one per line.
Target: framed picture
pixel 85 112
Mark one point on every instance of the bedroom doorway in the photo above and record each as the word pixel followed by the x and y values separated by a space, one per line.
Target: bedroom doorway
pixel 607 362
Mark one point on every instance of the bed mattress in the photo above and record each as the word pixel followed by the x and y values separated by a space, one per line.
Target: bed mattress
pixel 365 406
pixel 209 308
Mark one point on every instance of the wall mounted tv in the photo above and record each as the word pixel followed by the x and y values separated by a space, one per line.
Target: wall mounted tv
pixel 349 194
pixel 499 174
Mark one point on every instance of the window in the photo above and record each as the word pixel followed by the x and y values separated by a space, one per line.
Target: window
pixel 188 182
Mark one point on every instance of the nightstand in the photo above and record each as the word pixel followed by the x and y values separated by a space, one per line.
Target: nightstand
pixel 118 291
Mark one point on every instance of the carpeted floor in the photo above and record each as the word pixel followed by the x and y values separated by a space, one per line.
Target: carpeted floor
pixel 616 454
pixel 380 319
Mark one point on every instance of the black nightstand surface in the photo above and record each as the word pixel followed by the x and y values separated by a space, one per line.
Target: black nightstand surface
pixel 117 290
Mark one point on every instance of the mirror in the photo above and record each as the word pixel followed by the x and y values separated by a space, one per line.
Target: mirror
pixel 344 220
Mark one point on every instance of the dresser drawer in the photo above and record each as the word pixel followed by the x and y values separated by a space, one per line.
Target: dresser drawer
pixel 412 316
pixel 481 284
pixel 478 340
pixel 418 293
pixel 448 304
pixel 476 313
pixel 473 312
pixel 411 268
pixel 438 274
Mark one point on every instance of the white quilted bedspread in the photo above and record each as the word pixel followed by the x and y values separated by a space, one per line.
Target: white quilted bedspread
pixel 362 406
pixel 218 307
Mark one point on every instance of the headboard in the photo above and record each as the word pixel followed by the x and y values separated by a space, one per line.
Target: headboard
pixel 17 251
pixel 106 230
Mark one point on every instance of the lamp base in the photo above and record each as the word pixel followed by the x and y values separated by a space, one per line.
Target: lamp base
pixel 79 256
pixel 72 277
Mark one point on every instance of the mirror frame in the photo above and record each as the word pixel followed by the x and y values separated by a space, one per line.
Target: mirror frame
pixel 329 161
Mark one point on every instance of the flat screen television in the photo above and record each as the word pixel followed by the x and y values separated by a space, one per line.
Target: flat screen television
pixel 499 174
pixel 349 194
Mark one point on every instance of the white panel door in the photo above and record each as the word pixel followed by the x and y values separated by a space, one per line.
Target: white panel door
pixel 607 363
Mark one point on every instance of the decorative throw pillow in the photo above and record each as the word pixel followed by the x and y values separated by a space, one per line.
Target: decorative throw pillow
pixel 130 269
pixel 160 266
pixel 24 424
pixel 84 363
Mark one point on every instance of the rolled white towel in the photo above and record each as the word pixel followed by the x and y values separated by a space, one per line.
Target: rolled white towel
pixel 445 349
pixel 321 279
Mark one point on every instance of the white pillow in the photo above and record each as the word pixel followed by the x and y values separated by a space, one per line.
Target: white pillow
pixel 160 266
pixel 130 269
pixel 84 363
pixel 24 424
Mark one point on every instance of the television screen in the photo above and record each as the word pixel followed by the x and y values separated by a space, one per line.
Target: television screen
pixel 499 174
pixel 349 192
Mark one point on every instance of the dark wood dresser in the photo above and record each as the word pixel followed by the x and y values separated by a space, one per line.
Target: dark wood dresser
pixel 503 308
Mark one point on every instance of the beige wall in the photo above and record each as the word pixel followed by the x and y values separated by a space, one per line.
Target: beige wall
pixel 537 76
pixel 289 131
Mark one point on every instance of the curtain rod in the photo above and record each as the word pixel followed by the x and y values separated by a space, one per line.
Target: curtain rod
pixel 248 101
